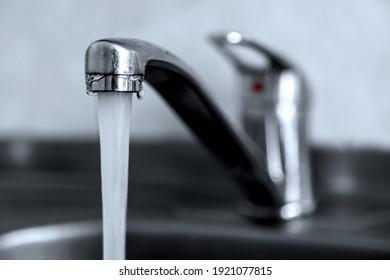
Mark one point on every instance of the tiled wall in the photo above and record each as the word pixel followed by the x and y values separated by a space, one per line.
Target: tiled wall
pixel 343 46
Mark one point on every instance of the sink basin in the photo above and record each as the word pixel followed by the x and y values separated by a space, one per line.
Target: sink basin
pixel 50 206
pixel 167 239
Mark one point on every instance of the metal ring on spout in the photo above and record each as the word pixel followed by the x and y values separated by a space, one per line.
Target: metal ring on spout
pixel 96 83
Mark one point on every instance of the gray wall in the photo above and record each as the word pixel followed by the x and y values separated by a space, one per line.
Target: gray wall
pixel 343 46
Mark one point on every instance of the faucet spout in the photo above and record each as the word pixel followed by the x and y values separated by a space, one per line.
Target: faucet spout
pixel 121 65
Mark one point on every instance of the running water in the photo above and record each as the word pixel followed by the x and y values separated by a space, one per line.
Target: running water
pixel 114 111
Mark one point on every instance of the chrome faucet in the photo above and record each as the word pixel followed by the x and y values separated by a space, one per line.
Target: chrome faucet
pixel 274 173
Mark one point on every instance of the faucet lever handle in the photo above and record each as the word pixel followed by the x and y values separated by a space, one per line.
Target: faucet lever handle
pixel 225 40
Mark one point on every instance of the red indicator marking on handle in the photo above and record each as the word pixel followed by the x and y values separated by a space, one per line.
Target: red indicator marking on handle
pixel 257 86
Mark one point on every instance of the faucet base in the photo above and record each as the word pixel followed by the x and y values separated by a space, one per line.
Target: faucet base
pixel 269 214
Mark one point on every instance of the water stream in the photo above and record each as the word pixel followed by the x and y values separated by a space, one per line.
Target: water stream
pixel 114 110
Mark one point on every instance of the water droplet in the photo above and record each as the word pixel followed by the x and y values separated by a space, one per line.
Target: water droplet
pixel 140 94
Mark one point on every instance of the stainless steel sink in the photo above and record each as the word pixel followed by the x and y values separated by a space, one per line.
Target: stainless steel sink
pixel 50 207
pixel 175 239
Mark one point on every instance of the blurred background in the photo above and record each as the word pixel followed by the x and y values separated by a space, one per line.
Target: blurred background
pixel 342 46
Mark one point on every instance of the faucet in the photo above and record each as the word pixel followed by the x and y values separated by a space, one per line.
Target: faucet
pixel 274 177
